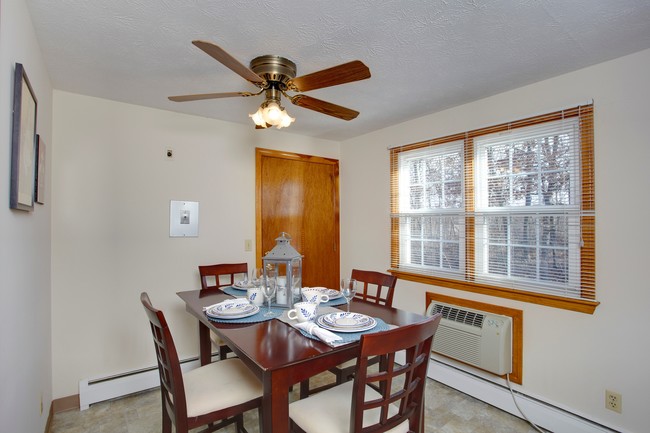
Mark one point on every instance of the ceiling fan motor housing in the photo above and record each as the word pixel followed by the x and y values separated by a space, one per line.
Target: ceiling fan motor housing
pixel 274 69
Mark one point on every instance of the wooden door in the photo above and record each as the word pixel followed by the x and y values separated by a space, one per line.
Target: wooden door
pixel 299 195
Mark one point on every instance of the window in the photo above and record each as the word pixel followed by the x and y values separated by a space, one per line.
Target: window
pixel 506 210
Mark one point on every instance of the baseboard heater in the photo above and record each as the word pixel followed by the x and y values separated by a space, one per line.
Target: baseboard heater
pixel 107 388
pixel 478 338
pixel 493 391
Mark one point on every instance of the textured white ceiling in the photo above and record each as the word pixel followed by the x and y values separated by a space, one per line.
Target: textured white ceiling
pixel 424 56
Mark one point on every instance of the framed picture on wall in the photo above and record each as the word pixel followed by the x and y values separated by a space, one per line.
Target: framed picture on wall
pixel 23 143
pixel 40 170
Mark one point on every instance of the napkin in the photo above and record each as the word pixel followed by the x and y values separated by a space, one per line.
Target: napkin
pixel 315 330
pixel 238 301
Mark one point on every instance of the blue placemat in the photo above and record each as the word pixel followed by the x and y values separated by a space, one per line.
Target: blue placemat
pixel 242 294
pixel 257 317
pixel 349 337
pixel 230 290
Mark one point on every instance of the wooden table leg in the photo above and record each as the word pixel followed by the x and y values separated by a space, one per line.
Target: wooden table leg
pixel 205 345
pixel 275 402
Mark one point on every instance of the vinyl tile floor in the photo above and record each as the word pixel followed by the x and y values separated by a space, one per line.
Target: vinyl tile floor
pixel 448 411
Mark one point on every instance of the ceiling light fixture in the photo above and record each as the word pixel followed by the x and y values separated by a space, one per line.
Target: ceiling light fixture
pixel 271 113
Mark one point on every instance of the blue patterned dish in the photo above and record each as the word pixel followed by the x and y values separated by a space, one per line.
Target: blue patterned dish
pixel 232 309
pixel 333 294
pixel 346 322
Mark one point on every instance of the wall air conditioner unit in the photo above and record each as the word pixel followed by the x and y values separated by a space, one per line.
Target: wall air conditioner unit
pixel 477 338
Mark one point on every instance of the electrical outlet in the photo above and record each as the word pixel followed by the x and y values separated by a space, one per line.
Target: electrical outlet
pixel 613 401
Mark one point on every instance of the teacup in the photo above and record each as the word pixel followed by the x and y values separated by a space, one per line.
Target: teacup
pixel 255 296
pixel 303 311
pixel 314 295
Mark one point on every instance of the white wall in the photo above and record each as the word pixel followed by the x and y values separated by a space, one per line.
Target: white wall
pixel 569 358
pixel 25 339
pixel 110 217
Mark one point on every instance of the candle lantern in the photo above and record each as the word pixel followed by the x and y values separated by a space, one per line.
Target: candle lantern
pixel 284 263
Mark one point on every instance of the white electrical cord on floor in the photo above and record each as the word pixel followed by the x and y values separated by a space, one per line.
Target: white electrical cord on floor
pixel 516 405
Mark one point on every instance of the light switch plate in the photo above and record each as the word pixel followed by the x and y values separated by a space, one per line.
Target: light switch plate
pixel 183 219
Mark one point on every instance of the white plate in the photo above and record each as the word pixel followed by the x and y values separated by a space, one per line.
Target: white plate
pixel 333 294
pixel 240 285
pixel 346 322
pixel 232 310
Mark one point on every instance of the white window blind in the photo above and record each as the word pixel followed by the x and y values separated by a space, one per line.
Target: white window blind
pixel 509 207
pixel 431 216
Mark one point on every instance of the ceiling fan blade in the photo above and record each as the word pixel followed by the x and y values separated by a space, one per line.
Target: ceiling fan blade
pixel 198 97
pixel 324 107
pixel 346 73
pixel 229 61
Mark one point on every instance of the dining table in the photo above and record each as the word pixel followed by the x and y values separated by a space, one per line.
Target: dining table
pixel 277 353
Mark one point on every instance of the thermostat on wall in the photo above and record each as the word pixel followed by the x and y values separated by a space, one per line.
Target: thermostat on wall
pixel 183 219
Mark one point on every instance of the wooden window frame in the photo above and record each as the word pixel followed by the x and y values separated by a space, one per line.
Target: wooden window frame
pixel 587 303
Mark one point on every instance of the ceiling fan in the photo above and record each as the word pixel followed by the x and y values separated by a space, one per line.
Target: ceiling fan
pixel 275 76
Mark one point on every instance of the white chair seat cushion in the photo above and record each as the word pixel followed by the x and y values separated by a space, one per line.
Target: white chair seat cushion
pixel 329 411
pixel 346 364
pixel 216 340
pixel 219 385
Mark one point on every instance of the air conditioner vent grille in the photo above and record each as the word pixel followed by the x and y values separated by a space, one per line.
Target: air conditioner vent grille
pixel 459 315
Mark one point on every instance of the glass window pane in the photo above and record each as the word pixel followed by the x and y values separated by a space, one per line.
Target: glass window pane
pixel 434 196
pixel 431 227
pixel 554 231
pixel 524 190
pixel 554 265
pixel 523 263
pixel 498 160
pixel 523 230
pixel 453 194
pixel 416 252
pixel 498 230
pixel 451 229
pixel 432 254
pixel 415 173
pixel 450 256
pixel 434 170
pixel 524 158
pixel 415 226
pixel 556 188
pixel 498 191
pixel 417 197
pixel 498 260
pixel 453 167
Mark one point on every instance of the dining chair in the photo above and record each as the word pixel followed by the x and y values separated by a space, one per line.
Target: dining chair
pixel 390 399
pixel 372 286
pixel 223 275
pixel 375 286
pixel 215 394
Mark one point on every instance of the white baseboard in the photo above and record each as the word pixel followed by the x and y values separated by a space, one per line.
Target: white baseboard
pixel 543 414
pixel 107 388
